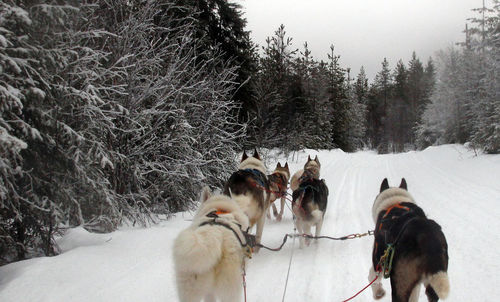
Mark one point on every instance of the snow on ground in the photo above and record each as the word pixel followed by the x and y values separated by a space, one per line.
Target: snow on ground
pixel 459 190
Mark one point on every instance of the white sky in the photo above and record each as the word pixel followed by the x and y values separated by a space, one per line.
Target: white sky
pixel 363 31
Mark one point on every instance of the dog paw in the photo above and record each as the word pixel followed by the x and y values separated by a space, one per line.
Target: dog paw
pixel 308 241
pixel 379 294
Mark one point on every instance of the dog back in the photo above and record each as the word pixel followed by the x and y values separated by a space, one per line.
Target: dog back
pixel 311 194
pixel 249 182
pixel 406 226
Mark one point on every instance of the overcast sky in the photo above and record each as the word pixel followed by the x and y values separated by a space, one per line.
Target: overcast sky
pixel 363 31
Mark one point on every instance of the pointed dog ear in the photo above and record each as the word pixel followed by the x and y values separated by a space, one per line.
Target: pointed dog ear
pixel 205 194
pixel 403 184
pixel 278 165
pixel 256 154
pixel 245 156
pixel 316 159
pixel 309 158
pixel 286 165
pixel 384 185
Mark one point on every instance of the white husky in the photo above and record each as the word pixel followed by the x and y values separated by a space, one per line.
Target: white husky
pixel 209 255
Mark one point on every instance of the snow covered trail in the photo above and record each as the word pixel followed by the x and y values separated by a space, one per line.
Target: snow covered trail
pixel 459 190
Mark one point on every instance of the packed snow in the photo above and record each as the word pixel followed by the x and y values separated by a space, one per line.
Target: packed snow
pixel 454 186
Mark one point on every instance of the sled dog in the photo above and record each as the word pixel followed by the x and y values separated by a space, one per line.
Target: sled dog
pixel 415 243
pixel 249 186
pixel 209 254
pixel 309 205
pixel 311 170
pixel 278 184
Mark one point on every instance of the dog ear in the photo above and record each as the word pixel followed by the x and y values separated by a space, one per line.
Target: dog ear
pixel 316 159
pixel 245 156
pixel 205 194
pixel 286 165
pixel 403 184
pixel 256 154
pixel 384 185
pixel 309 158
pixel 278 165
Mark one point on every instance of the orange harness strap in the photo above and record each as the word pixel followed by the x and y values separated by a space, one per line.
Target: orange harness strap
pixel 221 212
pixel 396 206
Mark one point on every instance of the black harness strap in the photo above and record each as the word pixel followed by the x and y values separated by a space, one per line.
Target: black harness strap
pixel 249 239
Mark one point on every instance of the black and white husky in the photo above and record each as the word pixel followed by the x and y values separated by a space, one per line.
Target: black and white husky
pixel 309 206
pixel 416 245
pixel 249 186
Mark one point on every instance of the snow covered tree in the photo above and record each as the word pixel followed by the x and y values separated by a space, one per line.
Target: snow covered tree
pixel 379 97
pixel 107 114
pixel 467 90
pixel 338 99
pixel 357 95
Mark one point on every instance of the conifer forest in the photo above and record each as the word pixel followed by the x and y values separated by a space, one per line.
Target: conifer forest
pixel 120 111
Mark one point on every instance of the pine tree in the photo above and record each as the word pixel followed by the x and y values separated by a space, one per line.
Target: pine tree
pixel 337 90
pixel 399 118
pixel 380 93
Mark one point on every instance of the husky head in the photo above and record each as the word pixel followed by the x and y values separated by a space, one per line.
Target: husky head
pixel 390 196
pixel 222 203
pixel 313 166
pixel 252 162
pixel 283 170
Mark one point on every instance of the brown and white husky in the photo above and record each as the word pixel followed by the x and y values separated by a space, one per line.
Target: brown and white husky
pixel 278 184
pixel 311 170
pixel 249 186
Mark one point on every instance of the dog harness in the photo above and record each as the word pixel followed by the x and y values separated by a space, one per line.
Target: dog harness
pixel 259 177
pixel 306 175
pixel 398 215
pixel 280 181
pixel 247 241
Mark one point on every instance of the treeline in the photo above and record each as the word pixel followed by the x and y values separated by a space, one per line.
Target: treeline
pixel 116 111
pixel 465 104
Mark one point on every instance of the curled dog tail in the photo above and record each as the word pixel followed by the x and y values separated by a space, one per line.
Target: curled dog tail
pixel 197 250
pixel 440 284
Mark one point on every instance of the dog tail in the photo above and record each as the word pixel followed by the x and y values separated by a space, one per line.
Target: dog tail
pixel 317 214
pixel 440 284
pixel 197 250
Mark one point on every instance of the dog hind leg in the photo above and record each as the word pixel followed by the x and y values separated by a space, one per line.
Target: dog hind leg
pixel 258 233
pixel 307 231
pixel 415 293
pixel 319 225
pixel 189 293
pixel 378 291
pixel 300 228
pixel 275 211
pixel 280 215
pixel 405 277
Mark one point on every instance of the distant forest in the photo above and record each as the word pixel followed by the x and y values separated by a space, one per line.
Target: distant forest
pixel 117 111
